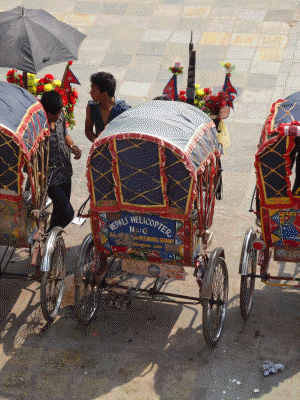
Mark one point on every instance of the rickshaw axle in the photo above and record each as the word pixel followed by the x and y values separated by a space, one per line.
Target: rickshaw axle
pixel 152 292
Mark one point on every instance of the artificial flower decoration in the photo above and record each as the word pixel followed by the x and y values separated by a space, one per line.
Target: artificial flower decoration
pixel 12 76
pixel 229 67
pixel 177 69
pixel 209 103
pixel 38 86
pixel 182 95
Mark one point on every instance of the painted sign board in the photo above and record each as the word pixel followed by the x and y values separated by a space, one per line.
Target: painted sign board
pixel 144 237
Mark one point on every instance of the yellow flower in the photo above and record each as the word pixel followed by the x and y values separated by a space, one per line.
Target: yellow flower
pixel 36 80
pixel 57 83
pixel 200 92
pixel 197 86
pixel 48 87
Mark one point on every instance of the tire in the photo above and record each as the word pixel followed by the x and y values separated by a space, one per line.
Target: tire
pixel 52 283
pixel 214 307
pixel 248 266
pixel 88 292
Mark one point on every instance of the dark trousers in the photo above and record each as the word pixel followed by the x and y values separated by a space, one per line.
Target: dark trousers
pixel 63 212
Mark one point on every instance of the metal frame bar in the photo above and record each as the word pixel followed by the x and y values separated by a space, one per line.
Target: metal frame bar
pixel 12 253
pixel 153 292
pixel 266 279
pixel 9 275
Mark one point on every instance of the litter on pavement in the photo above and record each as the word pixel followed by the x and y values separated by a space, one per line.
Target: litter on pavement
pixel 270 368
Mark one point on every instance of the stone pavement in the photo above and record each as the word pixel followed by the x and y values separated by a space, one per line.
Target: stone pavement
pixel 158 351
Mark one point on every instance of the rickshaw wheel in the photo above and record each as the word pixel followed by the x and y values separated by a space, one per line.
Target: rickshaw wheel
pixel 87 290
pixel 52 283
pixel 215 302
pixel 248 269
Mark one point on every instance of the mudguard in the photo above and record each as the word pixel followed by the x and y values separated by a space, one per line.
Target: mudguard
pixel 207 280
pixel 49 247
pixel 250 236
pixel 87 241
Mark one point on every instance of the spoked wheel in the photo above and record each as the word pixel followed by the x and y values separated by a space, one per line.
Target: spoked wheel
pixel 214 294
pixel 247 270
pixel 88 289
pixel 52 284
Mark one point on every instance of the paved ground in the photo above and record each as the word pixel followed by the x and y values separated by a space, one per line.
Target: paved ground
pixel 158 351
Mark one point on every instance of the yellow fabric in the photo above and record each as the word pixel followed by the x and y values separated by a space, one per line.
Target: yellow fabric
pixel 223 136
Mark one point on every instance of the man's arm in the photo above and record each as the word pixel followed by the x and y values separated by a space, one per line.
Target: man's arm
pixel 74 149
pixel 89 125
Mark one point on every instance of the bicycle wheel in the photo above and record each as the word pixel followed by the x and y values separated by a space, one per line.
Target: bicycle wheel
pixel 52 283
pixel 87 290
pixel 248 270
pixel 215 304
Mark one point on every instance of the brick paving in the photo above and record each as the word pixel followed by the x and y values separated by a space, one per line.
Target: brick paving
pixel 158 351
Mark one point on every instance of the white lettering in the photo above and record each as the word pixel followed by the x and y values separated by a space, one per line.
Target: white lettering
pixel 168 233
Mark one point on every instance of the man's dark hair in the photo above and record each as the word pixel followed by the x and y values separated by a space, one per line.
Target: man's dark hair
pixel 162 98
pixel 105 82
pixel 52 102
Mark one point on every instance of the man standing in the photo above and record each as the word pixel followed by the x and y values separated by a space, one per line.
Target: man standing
pixel 104 107
pixel 60 167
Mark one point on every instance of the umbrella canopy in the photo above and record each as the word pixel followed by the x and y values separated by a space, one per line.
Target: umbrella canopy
pixel 31 40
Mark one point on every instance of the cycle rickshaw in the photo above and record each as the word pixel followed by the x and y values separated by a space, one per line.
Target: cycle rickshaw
pixel 24 150
pixel 277 204
pixel 153 177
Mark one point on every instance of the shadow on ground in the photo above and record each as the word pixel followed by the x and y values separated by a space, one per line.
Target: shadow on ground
pixel 153 349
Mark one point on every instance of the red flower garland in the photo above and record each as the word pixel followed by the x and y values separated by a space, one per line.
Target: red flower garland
pixel 69 97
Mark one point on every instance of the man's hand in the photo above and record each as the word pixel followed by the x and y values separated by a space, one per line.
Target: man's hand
pixel 77 152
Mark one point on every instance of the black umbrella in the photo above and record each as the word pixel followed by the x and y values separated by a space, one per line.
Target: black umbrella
pixel 31 40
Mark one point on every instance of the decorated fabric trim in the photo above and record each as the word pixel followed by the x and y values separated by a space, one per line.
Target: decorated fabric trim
pixel 164 179
pixel 20 179
pixel 274 202
pixel 120 205
pixel 281 227
pixel 159 141
pixel 268 128
pixel 198 135
pixel 291 129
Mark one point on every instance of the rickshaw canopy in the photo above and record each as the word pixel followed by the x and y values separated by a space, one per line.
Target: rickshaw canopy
pixel 23 124
pixel 272 160
pixel 278 143
pixel 148 159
